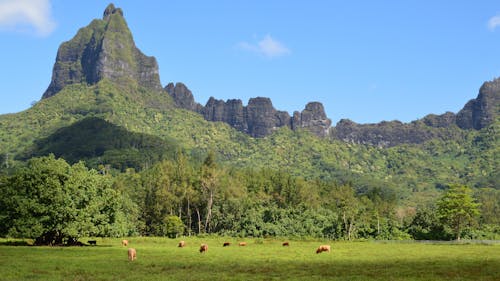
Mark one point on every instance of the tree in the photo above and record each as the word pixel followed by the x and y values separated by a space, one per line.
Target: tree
pixel 173 226
pixel 348 206
pixel 209 184
pixel 426 225
pixel 457 209
pixel 55 203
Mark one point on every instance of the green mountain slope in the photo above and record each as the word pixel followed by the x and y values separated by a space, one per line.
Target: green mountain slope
pixel 101 74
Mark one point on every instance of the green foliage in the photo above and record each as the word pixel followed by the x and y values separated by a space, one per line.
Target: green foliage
pixel 170 162
pixel 174 226
pixel 97 141
pixel 457 209
pixel 56 203
pixel 426 226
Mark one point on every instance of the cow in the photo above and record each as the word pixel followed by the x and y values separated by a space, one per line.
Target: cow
pixel 323 248
pixel 182 244
pixel 242 244
pixel 132 254
pixel 226 244
pixel 203 248
pixel 286 243
pixel 92 242
pixel 124 243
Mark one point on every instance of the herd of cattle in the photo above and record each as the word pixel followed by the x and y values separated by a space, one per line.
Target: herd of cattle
pixel 132 253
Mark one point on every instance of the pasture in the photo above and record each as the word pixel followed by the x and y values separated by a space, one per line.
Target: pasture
pixel 161 259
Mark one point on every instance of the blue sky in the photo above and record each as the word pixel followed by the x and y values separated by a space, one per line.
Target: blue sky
pixel 367 61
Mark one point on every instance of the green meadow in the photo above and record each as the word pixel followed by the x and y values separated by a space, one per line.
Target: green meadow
pixel 261 259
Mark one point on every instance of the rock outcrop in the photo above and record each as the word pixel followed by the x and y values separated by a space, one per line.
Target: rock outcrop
pixel 383 134
pixel 183 97
pixel 258 119
pixel 103 49
pixel 313 117
pixel 481 111
pixel 477 114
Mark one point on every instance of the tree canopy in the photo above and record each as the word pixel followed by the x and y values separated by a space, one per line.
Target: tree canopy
pixel 56 203
pixel 457 209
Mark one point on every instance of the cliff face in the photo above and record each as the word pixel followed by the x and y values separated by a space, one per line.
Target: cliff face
pixel 103 49
pixel 183 97
pixel 477 114
pixel 314 118
pixel 258 119
pixel 481 111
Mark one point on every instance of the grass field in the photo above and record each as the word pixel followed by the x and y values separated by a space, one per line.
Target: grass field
pixel 161 259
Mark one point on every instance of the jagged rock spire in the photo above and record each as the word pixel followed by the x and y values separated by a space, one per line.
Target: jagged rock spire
pixel 103 49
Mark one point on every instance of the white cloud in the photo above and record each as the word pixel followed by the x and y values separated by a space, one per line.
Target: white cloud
pixel 494 22
pixel 267 47
pixel 21 14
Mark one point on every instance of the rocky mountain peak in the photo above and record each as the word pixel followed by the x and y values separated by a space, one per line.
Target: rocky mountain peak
pixel 258 119
pixel 314 118
pixel 481 111
pixel 182 97
pixel 103 49
pixel 110 10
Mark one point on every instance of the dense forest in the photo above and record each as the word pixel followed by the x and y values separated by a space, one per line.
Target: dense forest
pixel 54 202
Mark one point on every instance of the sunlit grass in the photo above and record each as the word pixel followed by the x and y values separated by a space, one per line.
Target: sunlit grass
pixel 161 259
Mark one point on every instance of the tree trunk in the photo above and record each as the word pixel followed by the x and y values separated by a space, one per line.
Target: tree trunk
pixel 346 227
pixel 350 231
pixel 189 218
pixel 199 220
pixel 378 225
pixel 209 210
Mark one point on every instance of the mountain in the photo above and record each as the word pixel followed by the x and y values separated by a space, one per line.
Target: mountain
pixel 477 114
pixel 258 119
pixel 481 112
pixel 97 141
pixel 105 105
pixel 104 49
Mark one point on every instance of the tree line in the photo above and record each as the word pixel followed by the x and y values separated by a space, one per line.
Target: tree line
pixel 54 202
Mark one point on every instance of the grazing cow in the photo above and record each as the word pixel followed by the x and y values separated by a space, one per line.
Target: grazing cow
pixel 242 244
pixel 286 244
pixel 323 248
pixel 203 248
pixel 124 243
pixel 92 242
pixel 226 244
pixel 182 244
pixel 132 254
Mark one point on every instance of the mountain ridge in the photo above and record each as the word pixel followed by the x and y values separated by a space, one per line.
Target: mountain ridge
pixel 476 114
pixel 449 151
pixel 105 49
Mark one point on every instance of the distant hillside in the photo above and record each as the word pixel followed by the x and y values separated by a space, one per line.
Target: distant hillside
pixel 105 105
pixel 260 119
pixel 97 141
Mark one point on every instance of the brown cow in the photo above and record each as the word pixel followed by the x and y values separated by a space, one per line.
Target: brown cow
pixel 132 254
pixel 242 244
pixel 203 248
pixel 182 244
pixel 286 244
pixel 323 248
pixel 226 244
pixel 124 243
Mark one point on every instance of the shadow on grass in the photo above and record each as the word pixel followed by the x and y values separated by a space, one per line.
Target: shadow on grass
pixel 14 243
